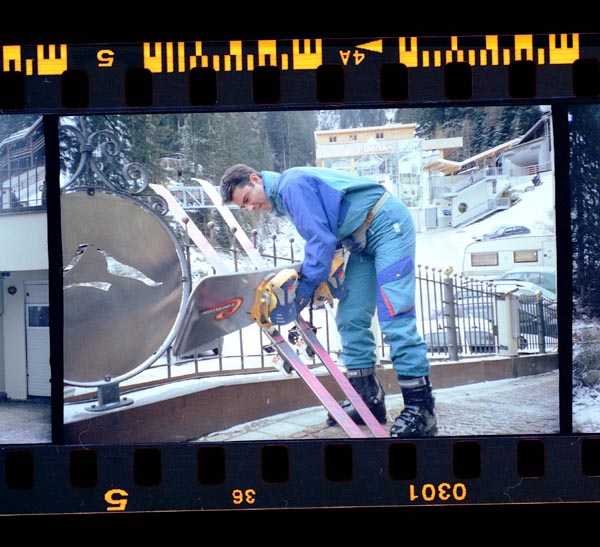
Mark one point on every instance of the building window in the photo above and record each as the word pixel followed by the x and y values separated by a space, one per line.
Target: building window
pixel 379 135
pixel 353 137
pixel 333 138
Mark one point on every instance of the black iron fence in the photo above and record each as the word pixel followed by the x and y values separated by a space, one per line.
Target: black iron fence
pixel 458 317
pixel 461 316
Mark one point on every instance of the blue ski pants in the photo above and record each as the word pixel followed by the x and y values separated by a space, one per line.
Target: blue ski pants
pixel 382 278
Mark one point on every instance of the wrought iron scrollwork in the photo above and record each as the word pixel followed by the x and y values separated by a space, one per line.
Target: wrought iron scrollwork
pixel 93 160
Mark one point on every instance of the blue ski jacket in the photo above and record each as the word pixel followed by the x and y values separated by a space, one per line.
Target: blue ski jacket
pixel 325 206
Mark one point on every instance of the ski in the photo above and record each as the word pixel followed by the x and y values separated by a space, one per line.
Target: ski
pixel 287 353
pixel 283 347
pixel 219 305
pixel 233 223
pixel 272 297
pixel 194 232
pixel 307 332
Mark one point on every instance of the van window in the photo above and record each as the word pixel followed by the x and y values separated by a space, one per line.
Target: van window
pixel 484 259
pixel 525 256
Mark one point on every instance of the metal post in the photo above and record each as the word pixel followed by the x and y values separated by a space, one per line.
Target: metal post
pixel 508 324
pixel 109 397
pixel 450 315
pixel 541 324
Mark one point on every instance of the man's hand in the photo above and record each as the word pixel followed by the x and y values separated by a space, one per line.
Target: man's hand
pixel 334 286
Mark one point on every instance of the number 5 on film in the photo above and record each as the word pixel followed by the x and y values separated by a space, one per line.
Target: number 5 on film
pixel 116 499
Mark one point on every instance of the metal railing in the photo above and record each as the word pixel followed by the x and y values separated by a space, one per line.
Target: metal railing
pixel 22 189
pixel 459 317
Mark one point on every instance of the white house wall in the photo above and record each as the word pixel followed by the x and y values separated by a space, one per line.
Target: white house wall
pixel 475 198
pixel 13 357
pixel 23 242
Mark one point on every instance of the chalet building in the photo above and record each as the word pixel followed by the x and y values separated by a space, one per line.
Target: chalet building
pixel 390 154
pixel 440 193
pixel 481 185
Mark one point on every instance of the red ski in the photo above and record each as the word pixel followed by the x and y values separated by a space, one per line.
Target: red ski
pixel 194 334
pixel 272 290
pixel 288 354
pixel 307 332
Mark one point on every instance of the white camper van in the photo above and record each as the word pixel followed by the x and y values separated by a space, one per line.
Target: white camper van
pixel 494 257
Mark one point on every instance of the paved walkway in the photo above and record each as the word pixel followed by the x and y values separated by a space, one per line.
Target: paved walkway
pixel 521 406
pixel 25 422
pixel 527 405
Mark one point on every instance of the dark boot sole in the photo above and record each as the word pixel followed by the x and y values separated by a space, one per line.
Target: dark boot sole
pixel 431 433
pixel 357 420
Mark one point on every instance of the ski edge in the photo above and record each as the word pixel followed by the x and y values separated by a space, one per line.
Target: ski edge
pixel 287 352
pixel 194 232
pixel 314 343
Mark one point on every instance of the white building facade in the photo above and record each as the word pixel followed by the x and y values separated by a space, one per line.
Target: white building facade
pixel 24 295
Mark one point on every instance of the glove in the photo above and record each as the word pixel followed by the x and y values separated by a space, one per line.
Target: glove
pixel 334 286
pixel 282 288
pixel 284 314
pixel 301 302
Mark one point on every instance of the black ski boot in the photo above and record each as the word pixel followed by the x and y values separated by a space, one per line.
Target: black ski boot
pixel 368 386
pixel 417 419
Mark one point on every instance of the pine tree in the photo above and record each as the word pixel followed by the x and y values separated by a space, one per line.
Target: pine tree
pixel 585 204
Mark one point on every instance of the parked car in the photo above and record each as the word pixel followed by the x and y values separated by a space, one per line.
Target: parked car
pixel 525 288
pixel 544 276
pixel 473 336
pixel 475 314
pixel 529 324
pixel 504 230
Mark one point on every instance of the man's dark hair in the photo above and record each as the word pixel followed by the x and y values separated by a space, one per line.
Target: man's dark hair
pixel 236 175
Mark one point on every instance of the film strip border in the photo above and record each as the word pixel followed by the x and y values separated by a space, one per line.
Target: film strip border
pixel 51 78
pixel 238 75
pixel 134 478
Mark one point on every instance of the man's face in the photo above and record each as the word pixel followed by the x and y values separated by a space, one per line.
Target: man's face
pixel 252 197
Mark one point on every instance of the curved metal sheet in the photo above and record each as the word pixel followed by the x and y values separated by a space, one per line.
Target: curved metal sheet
pixel 124 287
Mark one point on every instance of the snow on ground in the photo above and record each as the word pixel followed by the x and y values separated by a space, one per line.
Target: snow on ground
pixel 586 398
pixel 586 409
pixel 445 247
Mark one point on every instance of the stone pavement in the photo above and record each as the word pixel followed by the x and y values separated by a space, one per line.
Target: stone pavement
pixel 25 422
pixel 527 405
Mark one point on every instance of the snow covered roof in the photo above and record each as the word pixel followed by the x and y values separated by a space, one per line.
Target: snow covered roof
pixel 20 135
